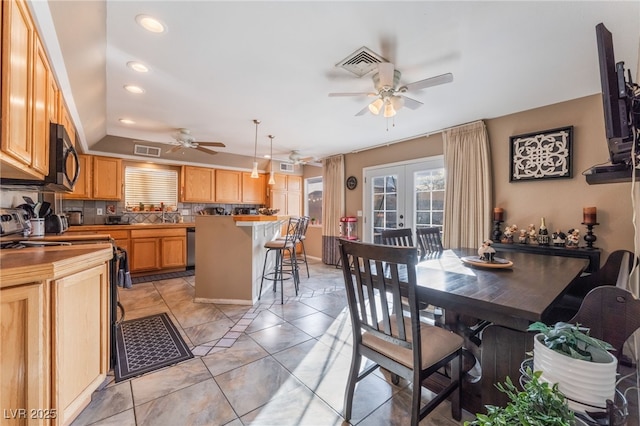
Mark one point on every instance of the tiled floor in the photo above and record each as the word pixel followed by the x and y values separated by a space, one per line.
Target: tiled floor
pixel 286 366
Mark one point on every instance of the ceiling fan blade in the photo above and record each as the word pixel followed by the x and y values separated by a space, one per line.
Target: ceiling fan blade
pixel 363 111
pixel 218 144
pixel 334 95
pixel 411 103
pixel 385 74
pixel 208 151
pixel 428 82
pixel 174 149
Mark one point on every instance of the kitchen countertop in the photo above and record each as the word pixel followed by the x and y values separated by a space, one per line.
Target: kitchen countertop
pixel 35 264
pixel 130 226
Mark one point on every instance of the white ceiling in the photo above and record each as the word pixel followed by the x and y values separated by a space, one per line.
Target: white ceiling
pixel 222 64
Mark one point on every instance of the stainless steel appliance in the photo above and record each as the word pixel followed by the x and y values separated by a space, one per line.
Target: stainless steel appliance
pixel 13 221
pixel 191 248
pixel 64 165
pixel 55 224
pixel 74 217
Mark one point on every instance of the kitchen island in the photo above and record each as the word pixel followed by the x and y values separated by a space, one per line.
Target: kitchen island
pixel 55 329
pixel 230 254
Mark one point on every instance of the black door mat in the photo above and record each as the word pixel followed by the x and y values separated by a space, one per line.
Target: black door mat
pixel 168 275
pixel 147 344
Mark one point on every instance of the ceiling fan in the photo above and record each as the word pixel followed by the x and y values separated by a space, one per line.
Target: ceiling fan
pixel 184 139
pixel 390 95
pixel 296 158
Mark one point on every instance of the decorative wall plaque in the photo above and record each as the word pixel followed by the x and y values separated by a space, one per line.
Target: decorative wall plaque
pixel 541 155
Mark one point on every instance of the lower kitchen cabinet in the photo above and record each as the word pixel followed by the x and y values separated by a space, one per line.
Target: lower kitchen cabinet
pixel 80 339
pixel 158 249
pixel 24 351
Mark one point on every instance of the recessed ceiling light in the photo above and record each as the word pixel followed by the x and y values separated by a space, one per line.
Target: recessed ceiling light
pixel 137 66
pixel 127 121
pixel 133 89
pixel 150 24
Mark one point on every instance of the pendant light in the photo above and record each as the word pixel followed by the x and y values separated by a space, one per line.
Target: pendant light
pixel 271 179
pixel 254 171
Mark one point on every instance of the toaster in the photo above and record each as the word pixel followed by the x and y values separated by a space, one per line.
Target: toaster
pixel 55 224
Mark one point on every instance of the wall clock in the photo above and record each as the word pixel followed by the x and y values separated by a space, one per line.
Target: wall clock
pixel 352 182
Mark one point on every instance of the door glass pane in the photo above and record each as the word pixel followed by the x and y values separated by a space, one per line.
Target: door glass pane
pixel 385 200
pixel 429 197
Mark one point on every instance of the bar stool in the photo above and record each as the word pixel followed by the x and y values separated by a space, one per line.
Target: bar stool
pixel 282 268
pixel 299 238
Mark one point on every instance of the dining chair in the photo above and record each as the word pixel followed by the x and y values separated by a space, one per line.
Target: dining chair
pixel 402 237
pixel 429 241
pixel 614 272
pixel 611 313
pixel 376 278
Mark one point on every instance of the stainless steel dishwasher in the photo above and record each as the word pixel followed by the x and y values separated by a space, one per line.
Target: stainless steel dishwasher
pixel 191 247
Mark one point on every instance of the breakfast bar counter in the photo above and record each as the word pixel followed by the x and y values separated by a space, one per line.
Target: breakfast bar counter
pixel 230 254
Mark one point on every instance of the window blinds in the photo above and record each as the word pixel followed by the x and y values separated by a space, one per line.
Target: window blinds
pixel 151 186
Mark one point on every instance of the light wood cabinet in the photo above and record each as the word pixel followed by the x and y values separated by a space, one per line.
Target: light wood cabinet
pixel 158 249
pixel 24 313
pixel 254 191
pixel 100 179
pixel 25 72
pixel 107 178
pixel 82 188
pixel 286 195
pixel 64 118
pixel 197 184
pixel 228 186
pixel 173 252
pixel 80 338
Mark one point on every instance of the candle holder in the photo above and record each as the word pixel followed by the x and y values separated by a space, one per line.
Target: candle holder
pixel 590 238
pixel 497 231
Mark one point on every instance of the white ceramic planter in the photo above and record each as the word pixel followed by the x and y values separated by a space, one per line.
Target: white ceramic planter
pixel 582 382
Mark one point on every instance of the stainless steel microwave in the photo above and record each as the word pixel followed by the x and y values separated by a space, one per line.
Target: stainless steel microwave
pixel 64 165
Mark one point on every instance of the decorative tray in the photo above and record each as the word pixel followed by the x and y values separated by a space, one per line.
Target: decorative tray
pixel 497 263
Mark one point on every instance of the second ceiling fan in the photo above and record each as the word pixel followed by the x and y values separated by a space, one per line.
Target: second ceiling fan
pixel 390 96
pixel 184 139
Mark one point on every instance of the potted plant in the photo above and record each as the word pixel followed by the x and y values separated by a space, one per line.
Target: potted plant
pixel 540 404
pixel 581 365
pixel 313 220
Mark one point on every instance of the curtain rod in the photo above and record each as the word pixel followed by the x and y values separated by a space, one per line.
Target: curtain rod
pixel 422 135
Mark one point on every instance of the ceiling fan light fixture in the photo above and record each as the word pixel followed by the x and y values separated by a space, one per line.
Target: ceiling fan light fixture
pixel 254 170
pixel 389 111
pixel 376 106
pixel 397 102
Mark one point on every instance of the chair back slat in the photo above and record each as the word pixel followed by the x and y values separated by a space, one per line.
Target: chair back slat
pixel 429 241
pixel 402 237
pixel 376 278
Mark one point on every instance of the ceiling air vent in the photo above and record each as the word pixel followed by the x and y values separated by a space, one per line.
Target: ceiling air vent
pixel 286 167
pixel 147 151
pixel 361 62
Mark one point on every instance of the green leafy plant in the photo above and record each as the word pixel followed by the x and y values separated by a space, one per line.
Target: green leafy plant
pixel 569 339
pixel 539 404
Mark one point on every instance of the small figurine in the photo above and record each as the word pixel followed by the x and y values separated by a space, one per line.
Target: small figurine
pixel 533 235
pixel 509 231
pixel 558 238
pixel 573 239
pixel 522 239
pixel 486 252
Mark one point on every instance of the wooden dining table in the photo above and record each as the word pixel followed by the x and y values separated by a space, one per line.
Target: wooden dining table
pixel 507 299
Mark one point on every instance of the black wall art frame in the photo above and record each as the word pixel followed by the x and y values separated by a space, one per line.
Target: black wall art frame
pixel 541 155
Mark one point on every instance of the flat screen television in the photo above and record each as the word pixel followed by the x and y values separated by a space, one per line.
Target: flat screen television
pixel 619 101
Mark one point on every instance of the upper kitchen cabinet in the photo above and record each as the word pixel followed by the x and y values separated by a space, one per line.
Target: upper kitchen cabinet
pixel 100 179
pixel 197 184
pixel 228 186
pixel 25 76
pixel 65 119
pixel 286 194
pixel 254 191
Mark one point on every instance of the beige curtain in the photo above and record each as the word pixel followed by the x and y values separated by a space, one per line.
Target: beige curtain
pixel 468 195
pixel 333 206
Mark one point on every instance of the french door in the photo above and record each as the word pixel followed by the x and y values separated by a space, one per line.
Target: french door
pixel 405 195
